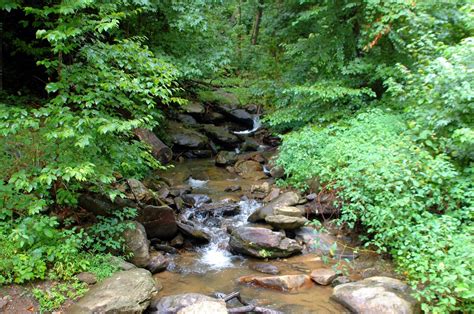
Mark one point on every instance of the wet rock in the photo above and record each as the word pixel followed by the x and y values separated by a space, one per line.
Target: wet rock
pixel 138 191
pixel 126 291
pixel 205 307
pixel 179 203
pixel 290 211
pixel 193 107
pixel 179 190
pixel 193 200
pixel 174 303
pixel 137 243
pixel 191 230
pixel 265 268
pixel 185 137
pixel 322 244
pixel 323 276
pixel 164 248
pixel 282 283
pixel 157 263
pixel 186 119
pixel 285 222
pixel 221 135
pixel 285 199
pixel 277 172
pixel 159 221
pixel 177 241
pixel 250 169
pixel 222 208
pixel 213 117
pixel 340 281
pixel 249 144
pixel 233 188
pixel 272 195
pixel 262 243
pixel 260 188
pixel 226 158
pixel 86 277
pixel 376 295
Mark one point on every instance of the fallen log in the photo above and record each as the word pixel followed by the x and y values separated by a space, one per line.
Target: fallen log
pixel 158 149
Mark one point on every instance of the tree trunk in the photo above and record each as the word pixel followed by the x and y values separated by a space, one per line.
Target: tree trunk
pixel 158 149
pixel 256 25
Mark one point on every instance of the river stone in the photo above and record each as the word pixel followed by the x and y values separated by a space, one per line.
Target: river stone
pixel 186 119
pixel 226 158
pixel 262 243
pixel 157 263
pixel 137 243
pixel 205 307
pixel 285 222
pixel 286 199
pixel 272 195
pixel 290 211
pixel 249 144
pixel 376 295
pixel 191 230
pixel 193 107
pixel 196 199
pixel 340 281
pixel 265 268
pixel 250 169
pixel 282 283
pixel 185 137
pixel 124 292
pixel 174 303
pixel 220 135
pixel 323 276
pixel 87 277
pixel 159 221
pixel 241 116
pixel 138 191
pixel 260 188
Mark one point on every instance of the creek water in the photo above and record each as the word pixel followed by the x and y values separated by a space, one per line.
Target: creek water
pixel 211 268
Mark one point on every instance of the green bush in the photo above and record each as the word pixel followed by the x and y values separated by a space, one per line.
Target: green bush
pixel 413 205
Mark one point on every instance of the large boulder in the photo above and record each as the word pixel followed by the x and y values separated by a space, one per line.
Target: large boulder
pixel 174 303
pixel 137 244
pixel 376 295
pixel 221 135
pixel 282 283
pixel 125 292
pixel 286 199
pixel 240 116
pixel 159 221
pixel 226 158
pixel 262 243
pixel 285 222
pixel 186 137
pixel 194 231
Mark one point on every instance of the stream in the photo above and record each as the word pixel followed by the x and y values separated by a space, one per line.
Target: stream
pixel 212 268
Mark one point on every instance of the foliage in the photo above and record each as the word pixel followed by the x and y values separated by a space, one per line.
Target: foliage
pixel 413 205
pixel 53 297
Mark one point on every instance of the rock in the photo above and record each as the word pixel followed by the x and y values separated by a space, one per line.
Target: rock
pixel 285 199
pixel 120 263
pixel 86 277
pixel 340 281
pixel 260 188
pixel 174 303
pixel 186 119
pixel 240 116
pixel 185 137
pixel 376 295
pixel 126 291
pixel 193 200
pixel 282 283
pixel 221 135
pixel 159 221
pixel 193 107
pixel 290 211
pixel 180 190
pixel 285 222
pixel 322 244
pixel 226 158
pixel 265 268
pixel 213 117
pixel 205 307
pixel 198 153
pixel 272 195
pixel 179 203
pixel 164 248
pixel 323 276
pixel 138 191
pixel 4 302
pixel 101 205
pixel 221 208
pixel 137 243
pixel 233 188
pixel 277 172
pixel 177 241
pixel 249 144
pixel 193 231
pixel 262 243
pixel 311 197
pixel 157 263
pixel 250 169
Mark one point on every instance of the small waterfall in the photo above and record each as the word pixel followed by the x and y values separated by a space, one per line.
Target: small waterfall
pixel 195 183
pixel 256 125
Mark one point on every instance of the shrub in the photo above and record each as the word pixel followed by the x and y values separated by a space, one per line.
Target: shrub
pixel 413 205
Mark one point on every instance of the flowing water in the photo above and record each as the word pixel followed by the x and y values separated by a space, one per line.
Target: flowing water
pixel 211 268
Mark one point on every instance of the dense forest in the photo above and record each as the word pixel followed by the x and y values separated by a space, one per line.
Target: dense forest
pixel 369 100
